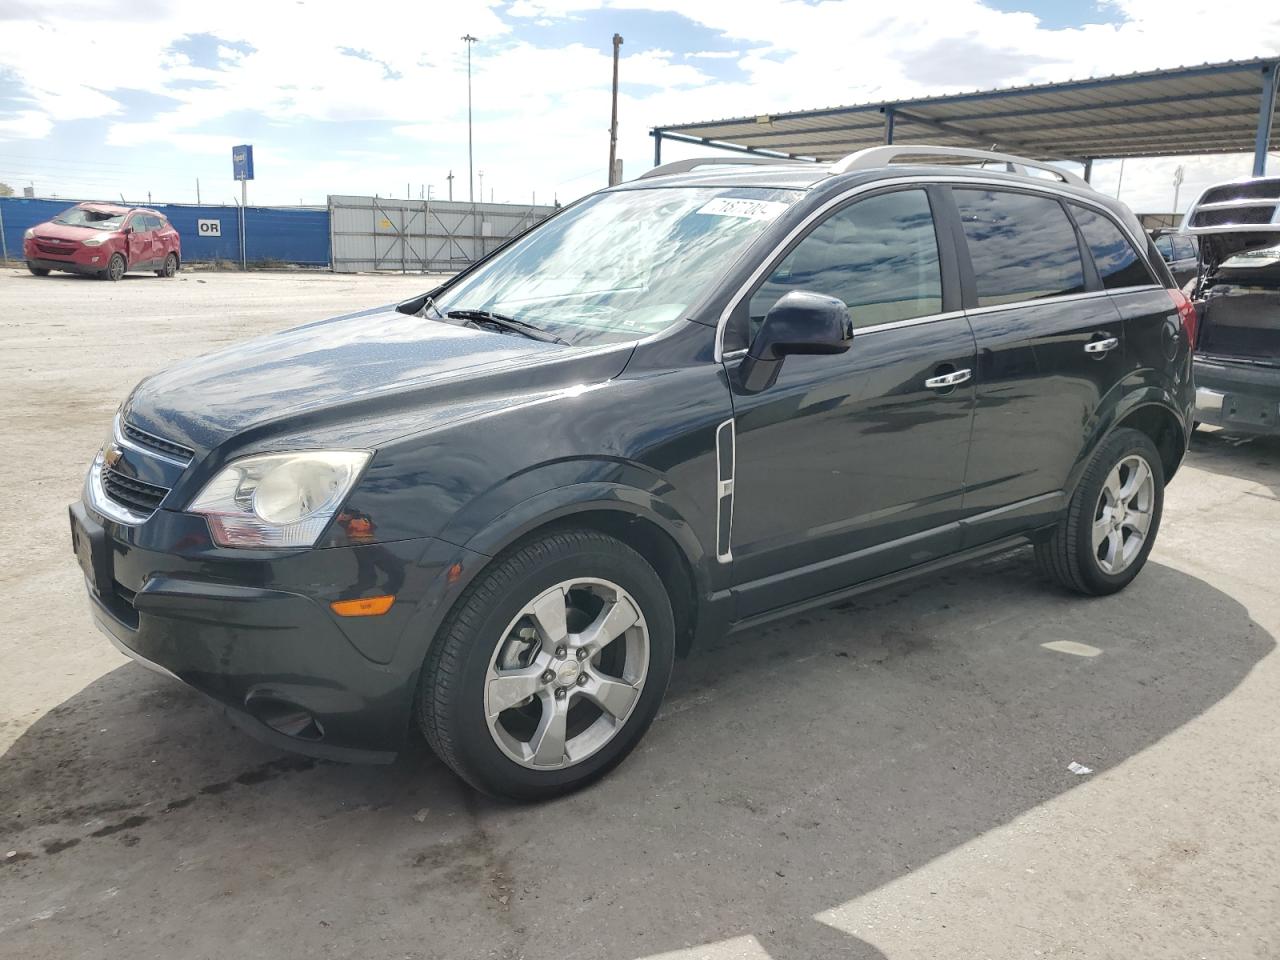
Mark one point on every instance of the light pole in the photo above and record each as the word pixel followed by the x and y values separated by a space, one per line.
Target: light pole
pixel 471 183
pixel 613 121
pixel 1177 186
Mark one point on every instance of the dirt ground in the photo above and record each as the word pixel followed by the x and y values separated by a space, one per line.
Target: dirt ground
pixel 886 778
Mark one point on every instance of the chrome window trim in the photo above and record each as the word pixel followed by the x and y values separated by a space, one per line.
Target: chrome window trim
pixel 1046 187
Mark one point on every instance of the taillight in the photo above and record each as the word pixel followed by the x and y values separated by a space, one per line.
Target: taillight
pixel 1186 314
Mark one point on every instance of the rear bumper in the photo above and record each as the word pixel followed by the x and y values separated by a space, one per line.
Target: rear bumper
pixel 1244 398
pixel 257 635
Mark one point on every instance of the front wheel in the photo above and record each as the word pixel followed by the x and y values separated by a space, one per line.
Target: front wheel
pixel 550 668
pixel 115 267
pixel 1111 524
pixel 38 271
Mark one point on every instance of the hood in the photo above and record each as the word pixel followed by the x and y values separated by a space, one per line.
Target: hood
pixel 62 231
pixel 381 368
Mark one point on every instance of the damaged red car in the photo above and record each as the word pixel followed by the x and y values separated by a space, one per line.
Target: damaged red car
pixel 103 240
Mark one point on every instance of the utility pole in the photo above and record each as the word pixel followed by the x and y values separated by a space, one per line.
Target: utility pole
pixel 1121 178
pixel 197 191
pixel 613 123
pixel 471 189
pixel 450 179
pixel 481 186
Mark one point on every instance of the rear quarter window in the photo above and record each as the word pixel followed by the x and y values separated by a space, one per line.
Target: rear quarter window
pixel 1119 265
pixel 1022 246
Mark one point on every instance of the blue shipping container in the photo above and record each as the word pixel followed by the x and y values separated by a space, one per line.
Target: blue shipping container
pixel 287 234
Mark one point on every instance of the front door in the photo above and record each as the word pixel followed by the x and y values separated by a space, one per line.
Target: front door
pixel 852 466
pixel 139 245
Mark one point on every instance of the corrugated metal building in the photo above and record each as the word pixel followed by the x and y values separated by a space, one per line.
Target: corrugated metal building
pixel 436 236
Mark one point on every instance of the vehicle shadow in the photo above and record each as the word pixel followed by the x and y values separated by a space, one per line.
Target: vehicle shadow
pixel 1254 458
pixel 793 769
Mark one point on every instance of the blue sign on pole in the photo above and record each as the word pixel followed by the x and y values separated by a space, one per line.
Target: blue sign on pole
pixel 242 161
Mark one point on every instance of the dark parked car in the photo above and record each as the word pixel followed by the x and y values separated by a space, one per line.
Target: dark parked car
pixel 1181 254
pixel 1237 362
pixel 682 406
pixel 103 240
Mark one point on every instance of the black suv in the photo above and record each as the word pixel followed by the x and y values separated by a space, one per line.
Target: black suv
pixel 682 406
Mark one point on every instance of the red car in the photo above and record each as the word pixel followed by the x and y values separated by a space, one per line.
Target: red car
pixel 103 240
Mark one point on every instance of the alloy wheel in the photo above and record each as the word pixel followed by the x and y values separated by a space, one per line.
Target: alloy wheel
pixel 566 674
pixel 1123 514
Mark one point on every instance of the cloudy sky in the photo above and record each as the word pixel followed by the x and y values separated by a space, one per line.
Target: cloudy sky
pixel 99 99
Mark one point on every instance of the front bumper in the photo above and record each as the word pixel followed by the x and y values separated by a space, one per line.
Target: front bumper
pixel 70 266
pixel 255 632
pixel 1243 398
pixel 76 259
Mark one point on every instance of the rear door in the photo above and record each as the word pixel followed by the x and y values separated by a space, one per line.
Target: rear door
pixel 1050 347
pixel 852 466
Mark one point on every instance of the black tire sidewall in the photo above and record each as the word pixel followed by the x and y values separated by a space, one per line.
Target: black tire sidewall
pixel 123 267
pixel 1123 444
pixel 485 765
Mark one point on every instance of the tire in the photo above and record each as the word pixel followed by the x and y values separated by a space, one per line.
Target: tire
pixel 170 268
pixel 490 643
pixel 1078 560
pixel 116 267
pixel 38 271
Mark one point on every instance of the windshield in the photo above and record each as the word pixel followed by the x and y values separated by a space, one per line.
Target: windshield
pixel 620 266
pixel 87 217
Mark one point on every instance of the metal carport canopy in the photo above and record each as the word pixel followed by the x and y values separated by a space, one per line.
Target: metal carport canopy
pixel 1211 108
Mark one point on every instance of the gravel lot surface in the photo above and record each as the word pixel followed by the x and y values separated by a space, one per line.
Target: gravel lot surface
pixel 886 778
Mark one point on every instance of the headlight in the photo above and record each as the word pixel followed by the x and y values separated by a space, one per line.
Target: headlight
pixel 31 232
pixel 278 499
pixel 96 241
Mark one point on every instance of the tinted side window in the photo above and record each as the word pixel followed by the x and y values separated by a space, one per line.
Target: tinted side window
pixel 1165 247
pixel 1182 248
pixel 1118 263
pixel 879 255
pixel 1023 247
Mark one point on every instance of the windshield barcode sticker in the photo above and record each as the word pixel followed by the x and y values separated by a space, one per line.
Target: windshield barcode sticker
pixel 742 207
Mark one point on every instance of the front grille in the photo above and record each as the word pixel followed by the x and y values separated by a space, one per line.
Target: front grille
pixel 158 444
pixel 135 494
pixel 56 248
pixel 1229 216
pixel 1256 190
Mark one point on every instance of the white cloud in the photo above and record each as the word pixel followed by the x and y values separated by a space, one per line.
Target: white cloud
pixel 541 112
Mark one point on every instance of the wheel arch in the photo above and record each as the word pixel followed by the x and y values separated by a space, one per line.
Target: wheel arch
pixel 1164 428
pixel 641 520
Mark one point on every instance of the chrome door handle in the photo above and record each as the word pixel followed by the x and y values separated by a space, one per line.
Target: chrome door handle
pixel 1102 346
pixel 945 380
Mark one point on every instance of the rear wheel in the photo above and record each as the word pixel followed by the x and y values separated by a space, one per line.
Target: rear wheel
pixel 38 271
pixel 170 267
pixel 1111 524
pixel 115 267
pixel 551 667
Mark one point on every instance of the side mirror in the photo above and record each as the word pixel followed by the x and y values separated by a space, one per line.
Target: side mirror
pixel 127 230
pixel 800 323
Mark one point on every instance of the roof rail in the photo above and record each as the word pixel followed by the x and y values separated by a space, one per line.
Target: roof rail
pixel 684 166
pixel 874 157
pixel 1251 205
